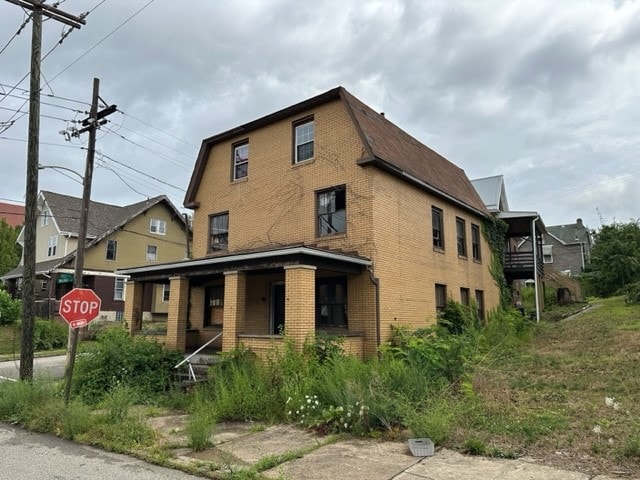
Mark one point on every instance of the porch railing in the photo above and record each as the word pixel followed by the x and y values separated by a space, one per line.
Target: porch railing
pixel 521 262
pixel 192 375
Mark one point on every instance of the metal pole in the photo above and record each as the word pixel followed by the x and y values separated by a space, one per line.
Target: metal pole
pixel 31 204
pixel 82 233
pixel 534 240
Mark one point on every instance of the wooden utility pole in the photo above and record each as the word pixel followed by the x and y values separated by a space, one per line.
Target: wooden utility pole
pixel 31 201
pixel 91 124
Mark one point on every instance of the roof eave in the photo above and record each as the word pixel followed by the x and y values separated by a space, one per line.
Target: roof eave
pixel 386 166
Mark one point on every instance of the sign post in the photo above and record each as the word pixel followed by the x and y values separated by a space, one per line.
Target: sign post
pixel 78 308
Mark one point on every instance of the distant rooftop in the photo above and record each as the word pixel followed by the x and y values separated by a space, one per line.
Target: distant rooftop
pixel 12 213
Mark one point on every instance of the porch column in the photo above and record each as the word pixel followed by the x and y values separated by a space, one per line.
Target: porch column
pixel 300 303
pixel 133 305
pixel 235 296
pixel 177 315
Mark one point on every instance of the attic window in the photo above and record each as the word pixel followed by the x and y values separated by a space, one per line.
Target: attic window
pixel 240 160
pixel 304 139
pixel 45 218
pixel 158 227
pixel 547 253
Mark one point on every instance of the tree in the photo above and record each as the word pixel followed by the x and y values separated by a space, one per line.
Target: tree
pixel 615 259
pixel 9 249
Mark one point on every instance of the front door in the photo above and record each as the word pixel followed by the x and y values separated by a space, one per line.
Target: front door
pixel 277 308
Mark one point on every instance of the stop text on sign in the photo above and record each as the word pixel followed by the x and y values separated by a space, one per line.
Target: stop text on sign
pixel 78 306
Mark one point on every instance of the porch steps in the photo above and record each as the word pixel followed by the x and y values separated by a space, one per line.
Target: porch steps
pixel 200 364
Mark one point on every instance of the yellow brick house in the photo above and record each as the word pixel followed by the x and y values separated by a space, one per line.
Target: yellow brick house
pixel 323 216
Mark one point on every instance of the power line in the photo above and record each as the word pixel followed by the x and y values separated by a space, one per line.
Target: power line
pixel 142 173
pixel 102 40
pixel 156 128
pixel 157 154
pixel 42 143
pixel 154 141
pixel 24 24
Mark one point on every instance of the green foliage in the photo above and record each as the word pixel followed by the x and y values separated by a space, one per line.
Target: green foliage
pixel 458 318
pixel 119 359
pixel 615 259
pixel 9 249
pixel 633 293
pixel 10 309
pixel 494 231
pixel 49 334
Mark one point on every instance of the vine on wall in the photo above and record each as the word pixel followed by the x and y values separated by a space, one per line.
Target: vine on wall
pixel 494 231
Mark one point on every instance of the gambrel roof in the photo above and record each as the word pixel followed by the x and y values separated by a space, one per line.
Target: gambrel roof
pixel 386 146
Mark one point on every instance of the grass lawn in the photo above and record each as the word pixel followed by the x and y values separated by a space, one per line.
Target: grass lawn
pixel 569 398
pixel 10 340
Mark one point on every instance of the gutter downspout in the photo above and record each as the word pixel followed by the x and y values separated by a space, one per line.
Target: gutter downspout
pixel 376 284
pixel 534 238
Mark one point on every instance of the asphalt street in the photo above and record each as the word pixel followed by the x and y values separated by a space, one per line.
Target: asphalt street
pixel 27 456
pixel 43 367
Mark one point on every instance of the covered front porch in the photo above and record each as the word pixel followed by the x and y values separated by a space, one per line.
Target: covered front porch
pixel 257 299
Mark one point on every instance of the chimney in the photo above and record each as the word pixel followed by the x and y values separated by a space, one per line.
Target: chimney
pixel 579 223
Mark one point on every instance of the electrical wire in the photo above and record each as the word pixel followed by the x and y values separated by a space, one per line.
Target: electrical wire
pixel 142 173
pixel 24 24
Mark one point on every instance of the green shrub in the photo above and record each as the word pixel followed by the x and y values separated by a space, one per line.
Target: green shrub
pixel 119 359
pixel 458 318
pixel 10 309
pixel 633 292
pixel 49 334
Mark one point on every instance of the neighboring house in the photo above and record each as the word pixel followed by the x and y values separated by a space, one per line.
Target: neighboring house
pixel 12 213
pixel 321 217
pixel 568 247
pixel 144 233
pixel 519 264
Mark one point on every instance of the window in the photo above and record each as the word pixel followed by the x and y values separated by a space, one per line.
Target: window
pixel 52 246
pixel 304 134
pixel 45 218
pixel 44 285
pixel 118 290
pixel 480 303
pixel 158 226
pixel 152 253
pixel 214 303
pixel 475 242
pixel 464 296
pixel 119 315
pixel 547 253
pixel 438 231
pixel 441 298
pixel 218 232
pixel 216 296
pixel 331 302
pixel 112 247
pixel 166 289
pixel 332 211
pixel 240 160
pixel 461 236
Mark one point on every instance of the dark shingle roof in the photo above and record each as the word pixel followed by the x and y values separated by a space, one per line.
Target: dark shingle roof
pixel 571 233
pixel 388 147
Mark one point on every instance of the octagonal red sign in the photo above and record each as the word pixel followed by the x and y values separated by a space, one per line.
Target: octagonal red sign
pixel 79 307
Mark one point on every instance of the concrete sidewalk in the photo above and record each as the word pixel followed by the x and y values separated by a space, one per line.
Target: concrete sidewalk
pixel 43 367
pixel 323 458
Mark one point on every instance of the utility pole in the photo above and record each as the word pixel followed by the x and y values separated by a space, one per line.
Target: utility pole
pixel 92 123
pixel 31 201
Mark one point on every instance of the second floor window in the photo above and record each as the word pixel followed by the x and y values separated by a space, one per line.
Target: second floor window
pixel 461 236
pixel 475 242
pixel 240 160
pixel 118 290
pixel 152 253
pixel 158 226
pixel 219 232
pixel 437 227
pixel 304 138
pixel 332 211
pixel 52 246
pixel 112 248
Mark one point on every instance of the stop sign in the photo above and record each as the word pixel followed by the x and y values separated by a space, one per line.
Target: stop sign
pixel 79 307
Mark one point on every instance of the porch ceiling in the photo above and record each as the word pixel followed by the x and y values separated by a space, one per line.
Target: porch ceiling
pixel 264 260
pixel 520 223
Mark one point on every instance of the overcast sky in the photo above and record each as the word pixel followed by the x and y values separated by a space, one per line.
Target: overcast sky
pixel 544 92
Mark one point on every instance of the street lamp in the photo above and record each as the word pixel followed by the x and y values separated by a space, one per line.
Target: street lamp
pixel 59 167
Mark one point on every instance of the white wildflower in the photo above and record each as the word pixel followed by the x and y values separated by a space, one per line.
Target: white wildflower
pixel 610 441
pixel 609 401
pixel 616 406
pixel 597 429
pixel 345 425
